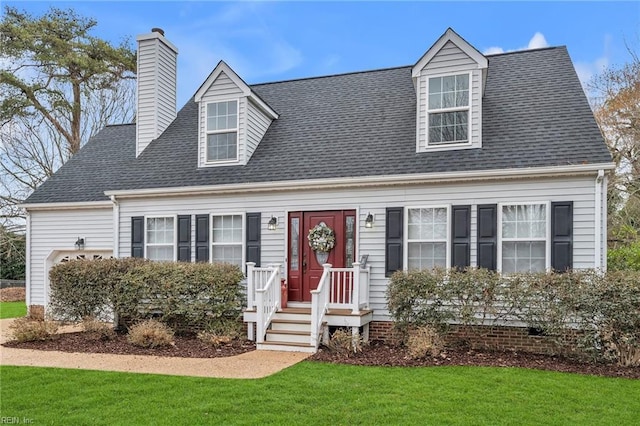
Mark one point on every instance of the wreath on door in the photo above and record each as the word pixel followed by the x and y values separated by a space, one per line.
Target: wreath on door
pixel 321 238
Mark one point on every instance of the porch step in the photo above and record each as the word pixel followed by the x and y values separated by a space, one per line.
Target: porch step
pixel 290 324
pixel 288 336
pixel 293 314
pixel 289 347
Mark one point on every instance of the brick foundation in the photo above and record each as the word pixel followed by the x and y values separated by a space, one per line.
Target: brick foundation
pixel 478 337
pixel 36 312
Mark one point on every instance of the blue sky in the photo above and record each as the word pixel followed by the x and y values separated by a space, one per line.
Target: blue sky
pixel 272 41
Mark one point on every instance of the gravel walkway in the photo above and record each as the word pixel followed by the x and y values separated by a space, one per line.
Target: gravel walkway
pixel 250 365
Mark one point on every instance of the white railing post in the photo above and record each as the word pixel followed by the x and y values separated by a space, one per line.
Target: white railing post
pixel 260 332
pixel 355 297
pixel 250 285
pixel 319 304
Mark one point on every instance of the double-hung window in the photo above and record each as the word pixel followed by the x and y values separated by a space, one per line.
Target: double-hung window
pixel 160 238
pixel 222 131
pixel 524 237
pixel 227 239
pixel 427 243
pixel 448 110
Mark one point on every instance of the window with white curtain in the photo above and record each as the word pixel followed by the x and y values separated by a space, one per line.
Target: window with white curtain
pixel 227 239
pixel 160 238
pixel 427 242
pixel 524 237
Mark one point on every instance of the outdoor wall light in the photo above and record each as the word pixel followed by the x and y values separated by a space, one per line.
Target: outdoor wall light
pixel 368 222
pixel 273 222
pixel 80 243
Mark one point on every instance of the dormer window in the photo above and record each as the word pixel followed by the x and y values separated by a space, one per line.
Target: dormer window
pixel 222 131
pixel 448 110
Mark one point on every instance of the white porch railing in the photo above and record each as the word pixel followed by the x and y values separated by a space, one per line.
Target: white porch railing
pixel 265 284
pixel 349 288
pixel 320 304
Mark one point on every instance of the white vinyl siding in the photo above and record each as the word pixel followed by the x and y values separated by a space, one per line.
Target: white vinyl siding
pixel 227 239
pixel 56 231
pixel 449 61
pixel 427 237
pixel 580 190
pixel 160 238
pixel 257 125
pixel 156 90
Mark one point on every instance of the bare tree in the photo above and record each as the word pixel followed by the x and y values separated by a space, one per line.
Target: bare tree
pixel 617 110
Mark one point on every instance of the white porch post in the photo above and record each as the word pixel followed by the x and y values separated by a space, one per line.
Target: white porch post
pixel 355 302
pixel 250 293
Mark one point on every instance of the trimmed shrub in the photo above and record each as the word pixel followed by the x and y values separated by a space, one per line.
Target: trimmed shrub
pixel 86 288
pixel 150 334
pixel 598 312
pixel 185 296
pixel 424 341
pixel 98 330
pixel 29 330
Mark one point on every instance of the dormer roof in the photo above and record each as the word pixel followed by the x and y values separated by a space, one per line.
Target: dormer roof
pixel 221 68
pixel 461 43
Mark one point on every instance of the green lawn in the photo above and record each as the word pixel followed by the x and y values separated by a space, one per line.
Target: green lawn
pixel 12 309
pixel 315 393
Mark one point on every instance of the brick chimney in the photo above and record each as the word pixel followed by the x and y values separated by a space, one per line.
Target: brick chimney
pixel 157 71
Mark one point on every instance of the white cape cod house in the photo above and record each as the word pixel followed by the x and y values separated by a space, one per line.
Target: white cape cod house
pixel 462 159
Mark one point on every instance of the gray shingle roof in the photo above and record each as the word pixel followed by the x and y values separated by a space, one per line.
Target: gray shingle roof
pixel 352 125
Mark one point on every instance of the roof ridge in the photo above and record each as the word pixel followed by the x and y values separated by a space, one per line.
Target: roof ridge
pixel 331 75
pixel 511 52
pixel 120 124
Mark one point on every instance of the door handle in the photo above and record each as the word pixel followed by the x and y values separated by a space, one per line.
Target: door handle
pixel 304 262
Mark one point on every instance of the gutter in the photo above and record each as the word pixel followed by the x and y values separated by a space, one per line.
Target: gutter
pixel 67 206
pixel 599 183
pixel 368 181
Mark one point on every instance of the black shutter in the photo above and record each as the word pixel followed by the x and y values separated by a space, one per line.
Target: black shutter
pixel 393 243
pixel 137 236
pixel 487 236
pixel 562 236
pixel 460 236
pixel 202 238
pixel 184 238
pixel 253 238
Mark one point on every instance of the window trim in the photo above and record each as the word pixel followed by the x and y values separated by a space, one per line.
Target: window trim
pixel 243 243
pixel 208 132
pixel 428 111
pixel 405 230
pixel 175 235
pixel 547 238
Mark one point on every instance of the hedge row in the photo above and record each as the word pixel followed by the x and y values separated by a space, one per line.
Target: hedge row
pixel 600 313
pixel 185 296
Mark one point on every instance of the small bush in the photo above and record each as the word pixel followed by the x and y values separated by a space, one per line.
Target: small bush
pixel 626 258
pixel 344 343
pixel 12 294
pixel 98 330
pixel 424 341
pixel 28 330
pixel 150 334
pixel 221 332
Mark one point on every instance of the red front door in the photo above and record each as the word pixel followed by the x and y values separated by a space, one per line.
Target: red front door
pixel 304 270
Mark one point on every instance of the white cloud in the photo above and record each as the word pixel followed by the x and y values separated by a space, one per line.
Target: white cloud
pixel 538 41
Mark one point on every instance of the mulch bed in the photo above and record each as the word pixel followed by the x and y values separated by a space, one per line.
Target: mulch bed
pixel 379 354
pixel 186 347
pixel 374 354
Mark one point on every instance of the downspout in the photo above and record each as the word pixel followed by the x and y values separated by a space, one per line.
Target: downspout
pixel 598 264
pixel 27 259
pixel 116 227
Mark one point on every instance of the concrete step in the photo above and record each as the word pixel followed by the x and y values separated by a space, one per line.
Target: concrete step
pixel 288 336
pixel 290 324
pixel 288 347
